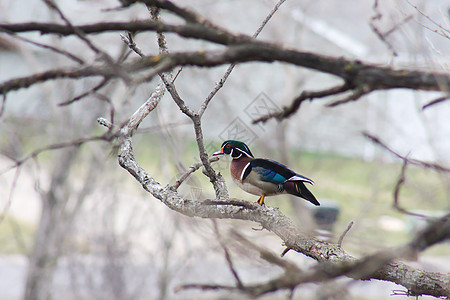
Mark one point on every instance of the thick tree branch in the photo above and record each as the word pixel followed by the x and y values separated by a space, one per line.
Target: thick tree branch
pixel 242 48
pixel 354 73
pixel 363 268
pixel 198 31
pixel 65 73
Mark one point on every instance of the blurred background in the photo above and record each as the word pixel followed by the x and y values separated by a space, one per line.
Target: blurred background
pixel 97 235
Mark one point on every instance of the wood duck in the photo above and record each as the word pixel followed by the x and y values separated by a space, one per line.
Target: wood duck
pixel 263 177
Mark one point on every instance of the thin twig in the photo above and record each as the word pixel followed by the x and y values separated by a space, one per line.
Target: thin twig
pixel 341 238
pixel 377 31
pixel 10 196
pixel 268 17
pixel 176 97
pixel 194 167
pixel 104 122
pixel 413 161
pixel 436 101
pixel 205 287
pixel 188 15
pixel 286 112
pixel 285 251
pixel 400 182
pixel 56 146
pixel 129 41
pixel 266 254
pixel 128 129
pixel 225 76
pixel 239 283
pixel 445 31
pixel 82 36
pixel 71 56
pixel 52 5
pixel 87 93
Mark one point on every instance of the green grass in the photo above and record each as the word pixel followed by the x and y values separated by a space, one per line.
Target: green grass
pixel 363 190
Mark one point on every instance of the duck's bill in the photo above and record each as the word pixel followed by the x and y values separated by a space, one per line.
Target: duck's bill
pixel 220 152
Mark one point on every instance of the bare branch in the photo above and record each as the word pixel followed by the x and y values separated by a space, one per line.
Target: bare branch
pixel 357 93
pixel 224 78
pixel 341 238
pixel 197 31
pixel 194 167
pixel 139 115
pixel 376 30
pixel 232 202
pixel 243 48
pixel 162 44
pixel 267 255
pixel 286 250
pixel 427 165
pixel 71 56
pixel 364 268
pixel 216 179
pixel 52 5
pixel 227 255
pixel 170 86
pixel 129 40
pixel 85 94
pixel 188 15
pixel 10 195
pixel 73 73
pixel 2 106
pixel 104 122
pixel 268 17
pixel 436 101
pixel 56 146
pixel 398 185
pixel 363 77
pixel 436 232
pixel 288 111
pixel 445 32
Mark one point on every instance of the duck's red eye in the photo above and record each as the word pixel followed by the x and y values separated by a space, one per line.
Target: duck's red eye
pixel 228 146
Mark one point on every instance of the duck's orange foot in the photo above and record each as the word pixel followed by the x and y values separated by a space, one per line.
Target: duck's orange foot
pixel 261 200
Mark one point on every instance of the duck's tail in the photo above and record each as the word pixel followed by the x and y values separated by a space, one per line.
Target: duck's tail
pixel 299 189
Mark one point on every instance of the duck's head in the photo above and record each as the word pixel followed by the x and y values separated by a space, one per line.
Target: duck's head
pixel 235 149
